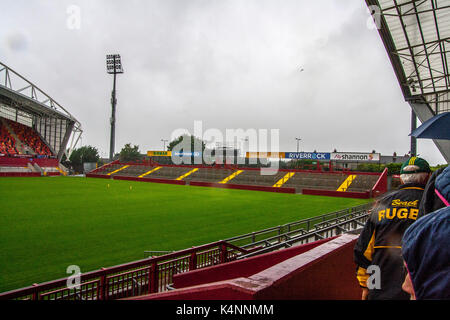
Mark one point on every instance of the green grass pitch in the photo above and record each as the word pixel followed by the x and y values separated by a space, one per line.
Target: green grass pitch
pixel 47 224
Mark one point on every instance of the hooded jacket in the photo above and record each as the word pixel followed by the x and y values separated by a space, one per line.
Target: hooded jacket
pixel 426 248
pixel 379 243
pixel 430 200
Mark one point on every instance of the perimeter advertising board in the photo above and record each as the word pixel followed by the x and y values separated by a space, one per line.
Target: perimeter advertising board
pixel 263 155
pixel 354 156
pixel 307 155
pixel 175 153
pixel 159 153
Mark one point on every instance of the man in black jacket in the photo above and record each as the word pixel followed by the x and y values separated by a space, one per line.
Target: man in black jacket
pixel 377 253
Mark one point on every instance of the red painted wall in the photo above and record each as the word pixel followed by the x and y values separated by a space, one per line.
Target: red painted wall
pixel 241 187
pixel 240 268
pixel 332 193
pixel 326 272
pixel 179 182
pixel 22 162
pixel 380 186
pixel 20 174
pixel 93 175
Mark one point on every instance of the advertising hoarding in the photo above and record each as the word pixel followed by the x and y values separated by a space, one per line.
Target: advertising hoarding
pixel 355 156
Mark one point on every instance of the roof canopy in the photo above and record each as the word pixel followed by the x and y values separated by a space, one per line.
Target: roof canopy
pixel 416 35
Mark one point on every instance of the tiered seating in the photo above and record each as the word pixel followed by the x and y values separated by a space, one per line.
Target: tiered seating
pixel 108 169
pixel 246 177
pixel 302 180
pixel 169 173
pixel 30 137
pixel 209 175
pixel 254 177
pixel 7 143
pixel 363 183
pixel 134 171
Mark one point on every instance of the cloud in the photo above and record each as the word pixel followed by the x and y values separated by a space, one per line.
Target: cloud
pixel 231 64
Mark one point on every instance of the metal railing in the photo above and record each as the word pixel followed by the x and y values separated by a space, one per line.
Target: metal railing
pixel 137 278
pixel 292 229
pixel 347 223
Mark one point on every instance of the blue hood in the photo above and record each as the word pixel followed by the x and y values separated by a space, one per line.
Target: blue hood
pixel 442 183
pixel 426 251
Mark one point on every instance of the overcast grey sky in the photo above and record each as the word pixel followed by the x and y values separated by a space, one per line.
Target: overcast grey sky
pixel 229 63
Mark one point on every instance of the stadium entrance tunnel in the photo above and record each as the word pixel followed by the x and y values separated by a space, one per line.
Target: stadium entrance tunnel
pixel 321 270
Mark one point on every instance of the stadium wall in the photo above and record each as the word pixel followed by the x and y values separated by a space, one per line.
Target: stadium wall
pixel 381 186
pixel 341 194
pixel 23 162
pixel 178 182
pixel 241 187
pixel 20 174
pixel 241 268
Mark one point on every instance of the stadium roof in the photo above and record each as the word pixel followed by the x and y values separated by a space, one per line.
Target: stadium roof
pixel 416 35
pixel 29 100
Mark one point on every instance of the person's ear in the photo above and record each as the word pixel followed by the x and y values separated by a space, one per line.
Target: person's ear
pixel 408 287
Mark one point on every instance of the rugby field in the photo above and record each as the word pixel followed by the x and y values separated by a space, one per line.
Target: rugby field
pixel 47 224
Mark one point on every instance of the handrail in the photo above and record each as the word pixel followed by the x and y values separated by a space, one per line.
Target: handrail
pixel 334 222
pixel 312 233
pixel 309 221
pixel 36 289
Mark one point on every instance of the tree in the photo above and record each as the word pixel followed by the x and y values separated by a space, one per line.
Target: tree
pixel 82 155
pixel 183 141
pixel 129 153
pixel 194 140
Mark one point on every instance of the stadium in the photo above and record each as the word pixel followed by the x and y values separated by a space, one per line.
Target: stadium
pixel 149 230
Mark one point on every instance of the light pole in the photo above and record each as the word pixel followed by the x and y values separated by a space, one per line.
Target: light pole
pixel 298 140
pixel 164 144
pixel 113 66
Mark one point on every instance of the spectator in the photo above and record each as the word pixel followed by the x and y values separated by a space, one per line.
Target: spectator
pixel 379 243
pixel 430 200
pixel 426 249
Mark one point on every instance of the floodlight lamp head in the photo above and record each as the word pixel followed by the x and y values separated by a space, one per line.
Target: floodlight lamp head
pixel 113 64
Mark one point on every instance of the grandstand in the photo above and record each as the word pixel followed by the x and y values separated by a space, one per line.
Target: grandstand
pixel 34 129
pixel 334 183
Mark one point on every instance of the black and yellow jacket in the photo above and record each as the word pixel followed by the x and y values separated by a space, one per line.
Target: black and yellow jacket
pixel 379 243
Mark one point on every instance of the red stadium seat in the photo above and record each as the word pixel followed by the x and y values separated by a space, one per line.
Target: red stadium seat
pixel 7 143
pixel 30 137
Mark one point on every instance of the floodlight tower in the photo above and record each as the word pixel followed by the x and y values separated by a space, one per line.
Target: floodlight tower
pixel 164 143
pixel 113 66
pixel 298 140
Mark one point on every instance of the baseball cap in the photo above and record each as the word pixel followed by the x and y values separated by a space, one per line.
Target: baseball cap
pixel 422 165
